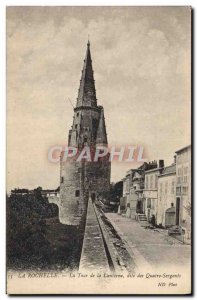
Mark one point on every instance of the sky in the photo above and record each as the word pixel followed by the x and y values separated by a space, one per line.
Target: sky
pixel 141 61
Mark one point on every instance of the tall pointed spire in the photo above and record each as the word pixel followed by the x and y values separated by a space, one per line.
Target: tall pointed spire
pixel 101 137
pixel 87 92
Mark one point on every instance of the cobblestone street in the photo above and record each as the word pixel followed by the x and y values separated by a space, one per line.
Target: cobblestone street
pixel 150 247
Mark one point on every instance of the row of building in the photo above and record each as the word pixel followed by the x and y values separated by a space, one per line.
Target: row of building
pixel 161 194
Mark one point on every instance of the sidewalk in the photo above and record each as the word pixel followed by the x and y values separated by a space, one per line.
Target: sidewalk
pixel 148 246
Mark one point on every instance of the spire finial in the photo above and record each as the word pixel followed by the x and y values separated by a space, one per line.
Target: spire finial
pixel 88 44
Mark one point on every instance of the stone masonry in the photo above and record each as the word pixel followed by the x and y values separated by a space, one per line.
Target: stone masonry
pixel 80 180
pixel 93 256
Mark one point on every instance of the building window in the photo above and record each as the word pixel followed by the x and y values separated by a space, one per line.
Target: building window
pixel 146 182
pixel 156 181
pixel 172 188
pixel 77 193
pixel 166 188
pixel 77 114
pixel 185 190
pixel 76 126
pixel 151 181
pixel 179 171
pixel 62 179
pixel 148 203
pixel 185 179
pixel 178 190
pixel 153 204
pixel 85 139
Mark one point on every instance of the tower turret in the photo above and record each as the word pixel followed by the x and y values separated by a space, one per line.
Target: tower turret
pixel 80 180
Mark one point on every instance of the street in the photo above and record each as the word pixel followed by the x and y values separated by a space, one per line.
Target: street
pixel 150 247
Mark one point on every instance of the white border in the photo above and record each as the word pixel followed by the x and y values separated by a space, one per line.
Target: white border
pixel 3 5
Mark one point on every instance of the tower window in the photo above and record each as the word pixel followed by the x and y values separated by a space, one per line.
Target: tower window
pixel 76 126
pixel 85 139
pixel 77 193
pixel 62 179
pixel 77 114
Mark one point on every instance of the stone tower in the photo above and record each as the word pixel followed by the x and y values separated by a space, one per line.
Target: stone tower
pixel 84 179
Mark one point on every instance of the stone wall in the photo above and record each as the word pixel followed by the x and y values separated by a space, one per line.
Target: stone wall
pixel 78 181
pixel 93 256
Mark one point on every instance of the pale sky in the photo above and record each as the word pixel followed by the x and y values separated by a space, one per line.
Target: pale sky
pixel 141 61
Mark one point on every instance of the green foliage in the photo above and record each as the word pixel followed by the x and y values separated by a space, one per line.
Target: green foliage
pixel 35 238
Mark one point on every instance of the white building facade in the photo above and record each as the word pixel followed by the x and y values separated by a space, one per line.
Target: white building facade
pixel 166 197
pixel 183 190
pixel 150 193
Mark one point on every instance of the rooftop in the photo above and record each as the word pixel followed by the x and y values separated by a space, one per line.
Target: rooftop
pixel 169 170
pixel 182 149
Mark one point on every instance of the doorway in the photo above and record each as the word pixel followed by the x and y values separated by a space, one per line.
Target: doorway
pixel 177 211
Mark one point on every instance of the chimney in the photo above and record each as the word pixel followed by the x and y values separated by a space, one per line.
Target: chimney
pixel 161 163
